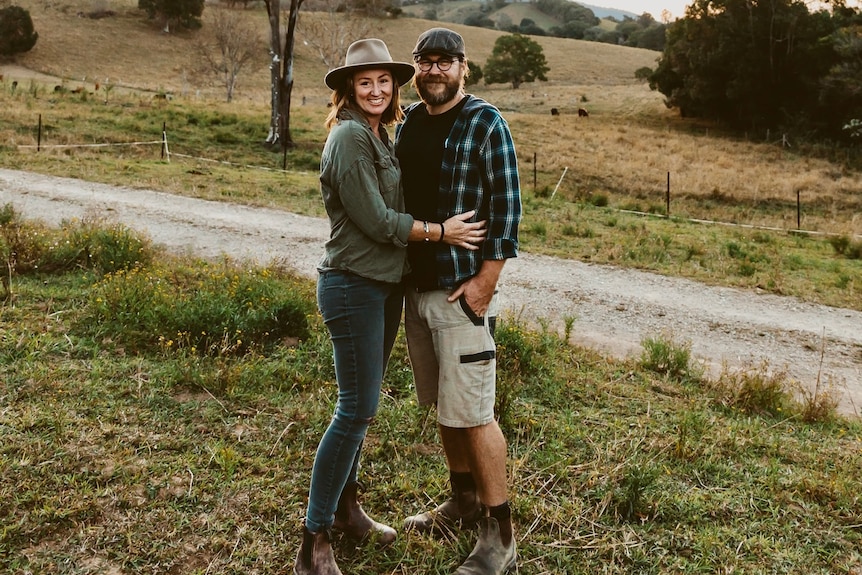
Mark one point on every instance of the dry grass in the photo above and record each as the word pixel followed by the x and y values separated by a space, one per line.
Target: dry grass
pixel 624 151
pixel 76 48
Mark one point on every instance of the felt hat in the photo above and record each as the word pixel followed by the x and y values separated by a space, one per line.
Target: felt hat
pixel 369 53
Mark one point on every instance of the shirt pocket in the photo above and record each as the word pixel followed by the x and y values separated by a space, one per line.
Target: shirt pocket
pixel 388 175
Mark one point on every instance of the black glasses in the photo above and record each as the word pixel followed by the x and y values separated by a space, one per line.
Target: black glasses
pixel 442 65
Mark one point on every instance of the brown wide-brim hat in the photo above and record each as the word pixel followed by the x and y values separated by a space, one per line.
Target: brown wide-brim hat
pixel 365 54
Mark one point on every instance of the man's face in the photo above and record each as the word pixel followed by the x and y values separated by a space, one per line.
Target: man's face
pixel 437 86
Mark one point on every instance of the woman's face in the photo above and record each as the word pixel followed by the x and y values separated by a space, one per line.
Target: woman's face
pixel 372 90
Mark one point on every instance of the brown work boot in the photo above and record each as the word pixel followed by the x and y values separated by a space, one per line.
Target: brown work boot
pixel 315 555
pixel 351 520
pixel 489 556
pixel 461 511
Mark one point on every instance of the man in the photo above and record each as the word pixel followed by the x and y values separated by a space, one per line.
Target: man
pixel 456 155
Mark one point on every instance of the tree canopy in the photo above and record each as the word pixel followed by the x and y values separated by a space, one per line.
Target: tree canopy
pixel 761 64
pixel 16 31
pixel 185 13
pixel 516 59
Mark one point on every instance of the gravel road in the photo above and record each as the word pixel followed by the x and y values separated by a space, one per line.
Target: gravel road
pixel 614 308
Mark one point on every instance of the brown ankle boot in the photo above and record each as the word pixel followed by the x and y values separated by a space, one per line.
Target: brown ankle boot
pixel 351 520
pixel 489 556
pixel 315 555
pixel 461 511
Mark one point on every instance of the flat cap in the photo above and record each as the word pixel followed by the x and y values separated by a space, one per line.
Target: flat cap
pixel 440 41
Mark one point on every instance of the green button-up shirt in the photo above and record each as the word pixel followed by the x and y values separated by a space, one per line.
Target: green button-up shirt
pixel 360 181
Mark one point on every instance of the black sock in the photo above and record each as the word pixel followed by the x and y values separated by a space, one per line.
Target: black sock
pixel 462 481
pixel 503 515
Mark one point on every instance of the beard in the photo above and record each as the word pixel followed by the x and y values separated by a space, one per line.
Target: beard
pixel 436 90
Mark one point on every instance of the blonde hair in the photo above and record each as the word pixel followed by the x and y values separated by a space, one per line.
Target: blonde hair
pixel 342 97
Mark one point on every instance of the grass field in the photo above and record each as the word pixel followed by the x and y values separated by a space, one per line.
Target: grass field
pixel 129 444
pixel 157 421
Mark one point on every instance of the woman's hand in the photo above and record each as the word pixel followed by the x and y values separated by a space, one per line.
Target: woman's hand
pixel 459 231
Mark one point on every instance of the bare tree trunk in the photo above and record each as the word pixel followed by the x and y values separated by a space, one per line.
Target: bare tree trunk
pixel 287 79
pixel 273 10
pixel 281 73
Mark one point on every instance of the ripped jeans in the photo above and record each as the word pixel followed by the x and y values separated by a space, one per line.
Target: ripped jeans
pixel 362 317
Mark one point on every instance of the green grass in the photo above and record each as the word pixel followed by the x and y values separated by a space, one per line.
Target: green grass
pixel 118 455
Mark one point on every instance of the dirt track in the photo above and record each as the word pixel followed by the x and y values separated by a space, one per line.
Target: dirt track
pixel 614 309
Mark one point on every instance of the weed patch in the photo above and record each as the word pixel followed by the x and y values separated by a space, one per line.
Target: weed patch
pixel 669 358
pixel 201 307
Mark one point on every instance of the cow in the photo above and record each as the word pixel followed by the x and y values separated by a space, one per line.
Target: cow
pixel 555 112
pixel 582 113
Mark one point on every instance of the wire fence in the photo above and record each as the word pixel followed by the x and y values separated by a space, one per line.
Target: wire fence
pixel 166 154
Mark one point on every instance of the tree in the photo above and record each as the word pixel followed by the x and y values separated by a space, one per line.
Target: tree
pixel 332 31
pixel 16 31
pixel 841 87
pixel 752 64
pixel 235 43
pixel 475 73
pixel 185 13
pixel 281 72
pixel 516 59
pixel 529 27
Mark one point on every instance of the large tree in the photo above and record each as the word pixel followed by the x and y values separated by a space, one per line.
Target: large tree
pixel 749 63
pixel 515 59
pixel 281 72
pixel 185 13
pixel 842 86
pixel 16 31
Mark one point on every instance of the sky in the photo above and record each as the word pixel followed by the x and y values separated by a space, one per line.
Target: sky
pixel 655 7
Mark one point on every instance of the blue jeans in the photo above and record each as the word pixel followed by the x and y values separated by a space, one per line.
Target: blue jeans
pixel 363 317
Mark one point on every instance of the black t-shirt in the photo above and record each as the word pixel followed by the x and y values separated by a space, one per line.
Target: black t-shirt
pixel 420 153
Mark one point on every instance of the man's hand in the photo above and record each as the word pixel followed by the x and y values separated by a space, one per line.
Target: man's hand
pixel 479 289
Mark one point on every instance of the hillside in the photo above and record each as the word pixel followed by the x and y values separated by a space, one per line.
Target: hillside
pixel 134 53
pixel 604 12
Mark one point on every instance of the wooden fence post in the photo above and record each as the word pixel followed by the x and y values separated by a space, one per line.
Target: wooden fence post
pixel 667 195
pixel 798 209
pixel 535 168
pixel 165 153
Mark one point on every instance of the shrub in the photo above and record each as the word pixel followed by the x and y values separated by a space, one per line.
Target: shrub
pixel 524 357
pixel 186 13
pixel 599 200
pixel 643 73
pixel 666 357
pixel 17 34
pixel 628 497
pixel 97 245
pixel 754 389
pixel 211 309
pixel 840 244
pixel 27 246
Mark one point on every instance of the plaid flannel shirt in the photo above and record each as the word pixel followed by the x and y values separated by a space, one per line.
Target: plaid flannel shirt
pixel 479 172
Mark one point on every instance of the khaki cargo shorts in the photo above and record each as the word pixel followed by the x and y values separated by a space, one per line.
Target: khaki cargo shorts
pixel 453 356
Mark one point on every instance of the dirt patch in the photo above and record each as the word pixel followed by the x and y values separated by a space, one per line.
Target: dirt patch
pixel 614 309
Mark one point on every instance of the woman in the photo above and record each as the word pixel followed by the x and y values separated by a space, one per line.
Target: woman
pixel 359 289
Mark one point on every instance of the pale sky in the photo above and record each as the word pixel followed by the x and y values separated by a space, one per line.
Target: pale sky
pixel 675 7
pixel 654 7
